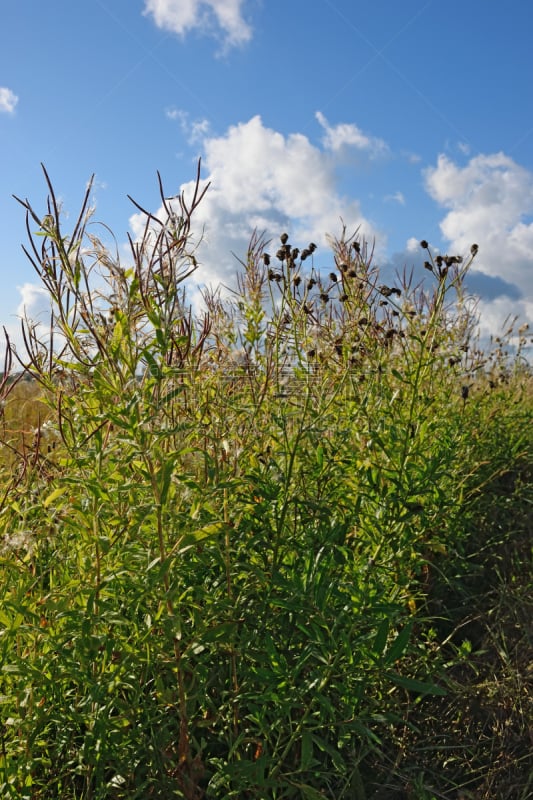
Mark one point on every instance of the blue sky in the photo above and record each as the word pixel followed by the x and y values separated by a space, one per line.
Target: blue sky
pixel 412 119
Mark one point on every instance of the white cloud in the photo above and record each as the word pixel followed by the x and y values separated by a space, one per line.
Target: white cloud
pixel 349 135
pixel 218 17
pixel 34 304
pixel 489 202
pixel 195 130
pixel 8 100
pixel 265 180
pixel 397 197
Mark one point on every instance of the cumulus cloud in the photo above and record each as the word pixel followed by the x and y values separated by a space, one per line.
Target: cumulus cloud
pixel 489 201
pixel 8 100
pixel 215 17
pixel 261 179
pixel 345 135
pixel 34 304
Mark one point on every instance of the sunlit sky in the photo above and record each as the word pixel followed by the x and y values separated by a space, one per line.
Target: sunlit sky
pixel 410 119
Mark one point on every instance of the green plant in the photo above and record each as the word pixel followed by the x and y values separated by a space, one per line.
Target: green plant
pixel 226 576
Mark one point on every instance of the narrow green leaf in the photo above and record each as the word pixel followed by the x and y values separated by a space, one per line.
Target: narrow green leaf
pixel 54 495
pixel 397 649
pixel 380 639
pixel 412 685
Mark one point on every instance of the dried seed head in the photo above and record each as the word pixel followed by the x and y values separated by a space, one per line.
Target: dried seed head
pixel 280 255
pixel 312 247
pixel 356 246
pixel 324 296
pixel 333 277
pixel 474 249
pixel 284 238
pixel 295 253
pixel 424 245
pixel 266 259
pixel 310 283
pixel 343 298
pixel 297 280
pixel 304 254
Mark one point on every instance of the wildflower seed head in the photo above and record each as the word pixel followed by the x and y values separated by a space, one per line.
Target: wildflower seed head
pixel 284 238
pixel 424 245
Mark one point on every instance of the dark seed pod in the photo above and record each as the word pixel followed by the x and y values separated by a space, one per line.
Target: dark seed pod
pixel 333 277
pixel 343 268
pixel 297 280
pixel 295 253
pixel 356 246
pixel 474 249
pixel 311 353
pixel 465 390
pixel 310 283
pixel 424 245
pixel 312 247
pixel 284 238
pixel 429 266
pixel 304 254
pixel 352 273
pixel 343 298
pixel 324 296
pixel 266 259
pixel 280 255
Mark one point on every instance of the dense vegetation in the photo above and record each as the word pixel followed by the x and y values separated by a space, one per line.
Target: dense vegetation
pixel 276 548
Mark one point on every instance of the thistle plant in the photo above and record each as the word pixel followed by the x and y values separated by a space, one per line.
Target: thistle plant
pixel 219 581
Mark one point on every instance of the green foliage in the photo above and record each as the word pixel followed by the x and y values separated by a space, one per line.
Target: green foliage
pixel 228 545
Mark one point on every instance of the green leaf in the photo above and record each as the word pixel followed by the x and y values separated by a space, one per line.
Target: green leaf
pixel 306 750
pixel 54 495
pixel 412 685
pixel 380 639
pixel 397 649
